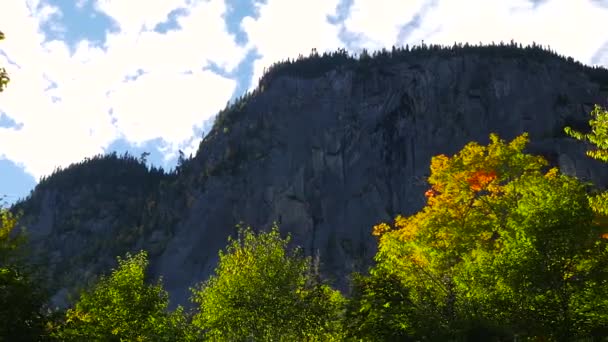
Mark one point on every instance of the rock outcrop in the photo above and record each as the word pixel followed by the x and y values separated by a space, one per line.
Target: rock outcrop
pixel 330 155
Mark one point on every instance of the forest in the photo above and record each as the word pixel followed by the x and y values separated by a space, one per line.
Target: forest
pixel 507 248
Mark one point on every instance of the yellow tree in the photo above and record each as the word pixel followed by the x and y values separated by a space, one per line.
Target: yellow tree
pixel 503 245
pixel 4 79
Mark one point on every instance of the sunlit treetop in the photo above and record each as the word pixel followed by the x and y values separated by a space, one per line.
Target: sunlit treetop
pixel 475 199
pixel 598 135
pixel 464 181
pixel 477 168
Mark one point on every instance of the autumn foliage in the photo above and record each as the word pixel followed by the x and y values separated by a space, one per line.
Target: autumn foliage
pixel 505 245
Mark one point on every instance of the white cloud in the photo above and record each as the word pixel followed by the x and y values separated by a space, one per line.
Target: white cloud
pixel 202 39
pixel 289 28
pixel 570 27
pixel 66 116
pixel 567 26
pixel 378 22
pixel 167 105
pixel 60 125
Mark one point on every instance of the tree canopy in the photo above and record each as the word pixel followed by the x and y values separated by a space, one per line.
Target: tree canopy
pixel 504 246
pixel 598 137
pixel 263 291
pixel 123 307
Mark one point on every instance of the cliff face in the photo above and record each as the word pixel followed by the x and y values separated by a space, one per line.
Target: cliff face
pixel 329 156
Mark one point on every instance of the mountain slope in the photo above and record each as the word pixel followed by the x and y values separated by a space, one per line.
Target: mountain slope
pixel 327 146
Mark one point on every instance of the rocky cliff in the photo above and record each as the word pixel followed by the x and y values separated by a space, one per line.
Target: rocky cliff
pixel 327 146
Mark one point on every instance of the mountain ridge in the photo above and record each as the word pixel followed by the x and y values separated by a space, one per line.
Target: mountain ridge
pixel 326 151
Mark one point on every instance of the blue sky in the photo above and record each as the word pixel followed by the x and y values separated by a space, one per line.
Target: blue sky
pixel 95 76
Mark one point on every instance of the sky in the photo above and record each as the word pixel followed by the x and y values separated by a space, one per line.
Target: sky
pixel 97 76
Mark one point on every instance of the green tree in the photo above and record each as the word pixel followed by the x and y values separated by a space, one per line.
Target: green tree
pixel 379 309
pixel 598 137
pixel 502 248
pixel 11 241
pixel 4 79
pixel 263 291
pixel 22 311
pixel 122 307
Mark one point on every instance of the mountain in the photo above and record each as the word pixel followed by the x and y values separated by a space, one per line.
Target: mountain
pixel 327 146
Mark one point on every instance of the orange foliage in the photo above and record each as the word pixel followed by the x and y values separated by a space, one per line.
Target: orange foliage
pixel 481 179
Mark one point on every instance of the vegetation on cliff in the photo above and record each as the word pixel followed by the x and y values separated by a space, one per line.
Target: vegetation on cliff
pixel 366 63
pixel 121 191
